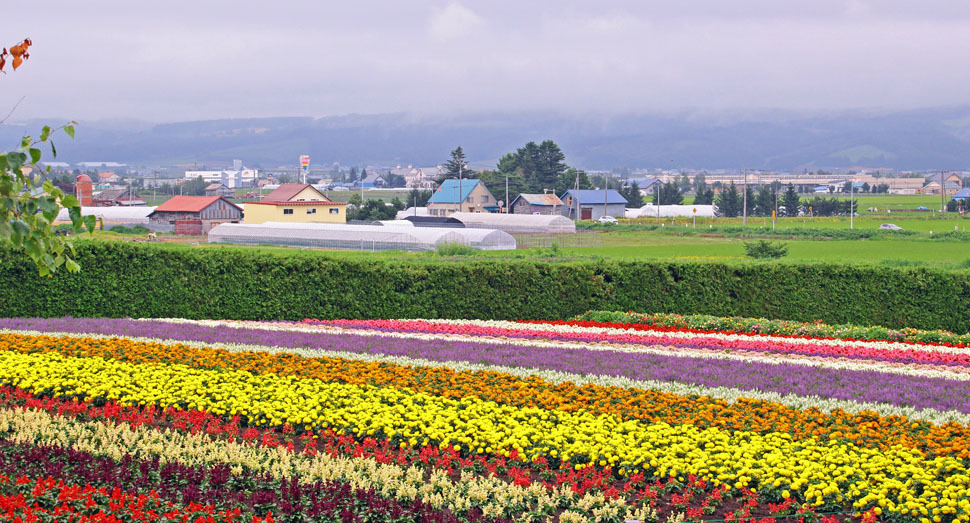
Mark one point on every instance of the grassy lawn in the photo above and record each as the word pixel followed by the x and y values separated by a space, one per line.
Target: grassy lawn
pixel 631 244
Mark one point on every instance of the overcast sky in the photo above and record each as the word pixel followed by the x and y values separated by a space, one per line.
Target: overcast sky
pixel 191 60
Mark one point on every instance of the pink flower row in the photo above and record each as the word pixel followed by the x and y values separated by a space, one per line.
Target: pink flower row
pixel 713 341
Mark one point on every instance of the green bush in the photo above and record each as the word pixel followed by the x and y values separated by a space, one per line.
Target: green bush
pixel 763 249
pixel 782 327
pixel 122 279
pixel 136 229
pixel 456 249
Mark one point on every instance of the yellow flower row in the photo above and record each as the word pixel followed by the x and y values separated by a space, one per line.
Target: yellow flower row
pixel 898 480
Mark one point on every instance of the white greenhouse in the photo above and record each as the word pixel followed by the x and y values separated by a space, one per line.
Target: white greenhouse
pixel 517 223
pixel 114 215
pixel 668 211
pixel 358 237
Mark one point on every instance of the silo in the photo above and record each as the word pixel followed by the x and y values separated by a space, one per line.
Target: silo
pixel 83 190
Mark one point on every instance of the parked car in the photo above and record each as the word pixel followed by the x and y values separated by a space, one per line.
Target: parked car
pixel 607 219
pixel 890 227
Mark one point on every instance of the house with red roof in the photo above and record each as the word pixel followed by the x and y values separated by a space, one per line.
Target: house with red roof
pixel 296 202
pixel 195 215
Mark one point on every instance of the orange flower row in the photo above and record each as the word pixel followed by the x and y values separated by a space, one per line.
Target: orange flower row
pixel 866 428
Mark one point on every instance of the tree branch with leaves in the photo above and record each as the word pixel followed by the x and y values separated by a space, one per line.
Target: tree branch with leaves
pixel 29 201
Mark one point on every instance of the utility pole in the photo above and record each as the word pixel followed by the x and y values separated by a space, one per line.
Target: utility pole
pixel 851 206
pixel 461 200
pixel 745 218
pixel 576 196
pixel 606 185
pixel 942 195
pixel 507 202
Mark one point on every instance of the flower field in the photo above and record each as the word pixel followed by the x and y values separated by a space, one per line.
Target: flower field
pixel 446 420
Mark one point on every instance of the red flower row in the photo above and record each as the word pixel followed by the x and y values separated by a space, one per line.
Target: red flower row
pixel 26 500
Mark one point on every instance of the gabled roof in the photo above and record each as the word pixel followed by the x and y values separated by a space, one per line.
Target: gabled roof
pixel 538 199
pixel 448 191
pixel 214 186
pixel 115 194
pixel 641 182
pixel 373 178
pixel 593 196
pixel 191 203
pixel 286 191
pixel 962 193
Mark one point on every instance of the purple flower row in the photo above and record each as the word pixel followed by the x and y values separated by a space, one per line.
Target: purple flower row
pixel 783 378
pixel 253 494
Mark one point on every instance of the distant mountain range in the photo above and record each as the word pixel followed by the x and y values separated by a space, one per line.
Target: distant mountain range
pixel 922 139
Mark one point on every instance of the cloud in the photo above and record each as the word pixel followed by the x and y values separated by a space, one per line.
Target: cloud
pixel 455 21
pixel 222 58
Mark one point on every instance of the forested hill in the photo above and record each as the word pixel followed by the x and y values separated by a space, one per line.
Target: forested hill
pixel 918 139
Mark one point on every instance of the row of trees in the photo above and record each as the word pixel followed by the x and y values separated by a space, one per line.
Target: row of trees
pixel 730 203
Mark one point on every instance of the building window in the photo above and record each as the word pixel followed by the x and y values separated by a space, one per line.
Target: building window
pixel 287 211
pixel 311 211
pixel 335 211
pixel 484 198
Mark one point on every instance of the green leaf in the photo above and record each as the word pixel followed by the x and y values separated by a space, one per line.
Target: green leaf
pixel 69 129
pixel 45 132
pixel 71 265
pixel 34 155
pixel 90 222
pixel 53 149
pixel 69 201
pixel 15 161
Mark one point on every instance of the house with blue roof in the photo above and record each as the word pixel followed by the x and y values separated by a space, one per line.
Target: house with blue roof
pixel 466 195
pixel 371 181
pixel 591 204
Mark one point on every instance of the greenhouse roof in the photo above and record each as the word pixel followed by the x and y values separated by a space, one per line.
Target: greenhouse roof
pixel 517 223
pixel 358 237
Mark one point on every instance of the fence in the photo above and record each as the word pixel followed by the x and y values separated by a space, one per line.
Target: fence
pixel 545 241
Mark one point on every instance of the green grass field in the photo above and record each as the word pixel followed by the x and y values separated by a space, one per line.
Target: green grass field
pixel 629 243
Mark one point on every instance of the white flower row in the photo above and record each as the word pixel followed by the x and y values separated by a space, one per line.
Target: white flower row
pixel 730 395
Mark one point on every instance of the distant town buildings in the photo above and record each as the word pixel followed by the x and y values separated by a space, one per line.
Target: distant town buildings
pixel 418 177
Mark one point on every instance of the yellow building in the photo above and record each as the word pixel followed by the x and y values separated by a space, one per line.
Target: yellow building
pixel 296 203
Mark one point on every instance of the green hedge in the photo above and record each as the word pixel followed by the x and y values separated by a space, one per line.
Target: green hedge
pixel 138 280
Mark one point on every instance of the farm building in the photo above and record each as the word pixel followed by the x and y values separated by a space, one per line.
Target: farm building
pixel 195 215
pixel 218 189
pixel 517 223
pixel 359 237
pixel 592 204
pixel 298 203
pixel 526 203
pixel 117 198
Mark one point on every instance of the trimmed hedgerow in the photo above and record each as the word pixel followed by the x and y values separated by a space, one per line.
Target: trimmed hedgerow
pixel 139 280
